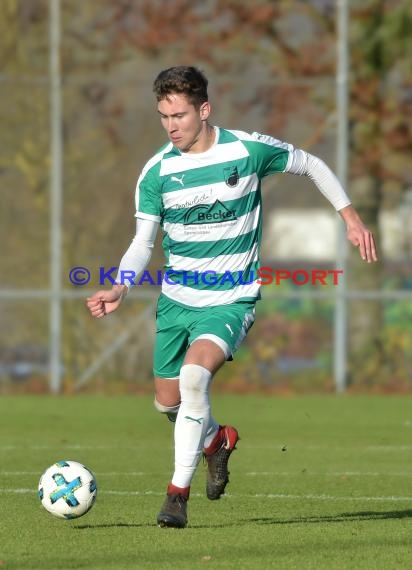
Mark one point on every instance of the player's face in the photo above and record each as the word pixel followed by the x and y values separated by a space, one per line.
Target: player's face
pixel 185 125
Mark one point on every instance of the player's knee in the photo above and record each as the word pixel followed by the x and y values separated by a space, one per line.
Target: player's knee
pixel 194 378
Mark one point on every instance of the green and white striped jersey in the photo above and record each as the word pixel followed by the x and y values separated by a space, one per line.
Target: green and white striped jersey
pixel 209 207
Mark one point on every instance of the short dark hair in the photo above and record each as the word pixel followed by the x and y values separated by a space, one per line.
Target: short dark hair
pixel 186 80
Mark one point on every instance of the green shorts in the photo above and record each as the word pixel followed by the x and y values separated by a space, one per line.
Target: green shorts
pixel 178 326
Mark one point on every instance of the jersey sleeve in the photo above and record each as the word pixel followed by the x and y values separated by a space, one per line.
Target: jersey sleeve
pixel 272 155
pixel 148 196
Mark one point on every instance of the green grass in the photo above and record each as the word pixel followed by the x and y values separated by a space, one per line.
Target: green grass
pixel 316 483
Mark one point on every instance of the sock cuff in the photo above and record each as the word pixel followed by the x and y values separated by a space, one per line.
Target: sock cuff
pixel 166 409
pixel 195 369
pixel 194 377
pixel 174 490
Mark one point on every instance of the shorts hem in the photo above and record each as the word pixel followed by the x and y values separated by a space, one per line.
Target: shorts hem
pixel 166 376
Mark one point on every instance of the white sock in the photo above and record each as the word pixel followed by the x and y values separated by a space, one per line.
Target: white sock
pixel 172 411
pixel 192 422
pixel 211 432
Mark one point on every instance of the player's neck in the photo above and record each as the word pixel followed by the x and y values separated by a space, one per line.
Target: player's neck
pixel 205 141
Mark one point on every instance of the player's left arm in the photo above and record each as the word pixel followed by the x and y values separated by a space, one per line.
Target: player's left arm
pixel 304 164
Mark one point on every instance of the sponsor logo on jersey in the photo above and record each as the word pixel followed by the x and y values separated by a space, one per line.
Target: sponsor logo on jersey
pixel 209 214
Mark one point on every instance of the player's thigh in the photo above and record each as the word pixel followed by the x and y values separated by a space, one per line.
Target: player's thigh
pixel 207 352
pixel 227 323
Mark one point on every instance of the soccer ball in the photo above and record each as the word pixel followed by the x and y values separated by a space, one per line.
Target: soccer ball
pixel 67 489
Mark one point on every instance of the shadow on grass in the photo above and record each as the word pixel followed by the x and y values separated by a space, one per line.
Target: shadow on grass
pixel 111 525
pixel 343 517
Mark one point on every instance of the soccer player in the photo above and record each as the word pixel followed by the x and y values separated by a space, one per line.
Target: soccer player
pixel 204 189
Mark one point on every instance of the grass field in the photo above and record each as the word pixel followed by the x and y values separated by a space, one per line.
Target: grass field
pixel 316 483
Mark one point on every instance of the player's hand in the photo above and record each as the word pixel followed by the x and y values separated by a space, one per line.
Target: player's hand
pixel 104 302
pixel 358 234
pixel 363 238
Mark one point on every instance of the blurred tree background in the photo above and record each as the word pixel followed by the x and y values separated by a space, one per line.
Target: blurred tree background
pixel 272 68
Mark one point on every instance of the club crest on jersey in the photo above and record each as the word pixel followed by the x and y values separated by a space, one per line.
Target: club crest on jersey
pixel 231 176
pixel 209 213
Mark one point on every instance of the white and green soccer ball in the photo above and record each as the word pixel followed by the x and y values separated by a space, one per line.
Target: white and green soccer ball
pixel 67 489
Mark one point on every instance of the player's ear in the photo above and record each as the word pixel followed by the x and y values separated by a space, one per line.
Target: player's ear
pixel 205 110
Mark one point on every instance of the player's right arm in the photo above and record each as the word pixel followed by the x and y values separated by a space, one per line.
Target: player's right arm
pixel 133 263
pixel 148 215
